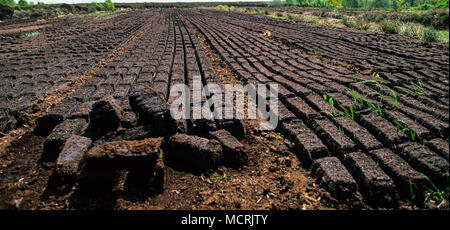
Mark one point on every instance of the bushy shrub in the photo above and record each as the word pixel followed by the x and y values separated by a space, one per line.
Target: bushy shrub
pixel 442 19
pixel 335 14
pixel 441 3
pixel 8 2
pixel 109 5
pixel 67 7
pixel 23 3
pixel 390 26
pixel 97 6
pixel 437 18
pixel 411 29
pixel 430 34
pixel 38 13
pixel 356 23
pixel 419 31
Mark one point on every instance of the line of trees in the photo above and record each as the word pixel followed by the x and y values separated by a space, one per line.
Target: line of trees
pixel 108 4
pixel 19 3
pixel 365 4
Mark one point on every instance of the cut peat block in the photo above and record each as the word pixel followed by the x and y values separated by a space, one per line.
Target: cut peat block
pixel 435 125
pixel 201 127
pixel 233 150
pixel 83 110
pixel 408 180
pixel 193 152
pixel 56 115
pixel 142 159
pixel 336 141
pixel 7 121
pixel 435 167
pixel 137 133
pixel 284 115
pixel 377 187
pixel 420 131
pixel 360 135
pixel 129 120
pixel 334 177
pixel 234 126
pixel 152 109
pixel 300 108
pixel 308 146
pixel 141 179
pixel 126 154
pixel 105 116
pixel 440 146
pixel 55 141
pixel 382 129
pixel 69 162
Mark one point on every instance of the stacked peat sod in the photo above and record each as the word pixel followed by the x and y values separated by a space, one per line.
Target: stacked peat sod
pixel 92 144
pixel 32 70
pixel 100 139
pixel 372 155
pixel 368 155
pixel 133 130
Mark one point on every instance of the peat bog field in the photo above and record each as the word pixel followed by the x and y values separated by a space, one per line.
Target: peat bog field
pixel 363 117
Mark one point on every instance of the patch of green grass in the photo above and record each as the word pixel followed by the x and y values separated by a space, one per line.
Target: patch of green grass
pixel 404 127
pixel 410 29
pixel 430 34
pixel 394 100
pixel 290 16
pixel 30 34
pixel 328 99
pixel 341 129
pixel 417 24
pixel 356 96
pixel 214 176
pixel 417 88
pixel 411 190
pixel 356 23
pixel 106 13
pixel 378 109
pixel 443 35
pixel 390 26
pixel 350 113
pixel 434 193
pixel 278 135
pixel 363 101
pixel 98 14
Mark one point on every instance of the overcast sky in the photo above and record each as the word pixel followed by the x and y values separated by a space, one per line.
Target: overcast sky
pixel 88 1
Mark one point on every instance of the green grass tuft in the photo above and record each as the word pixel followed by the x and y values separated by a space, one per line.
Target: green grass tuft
pixel 390 26
pixel 430 34
pixel 30 34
